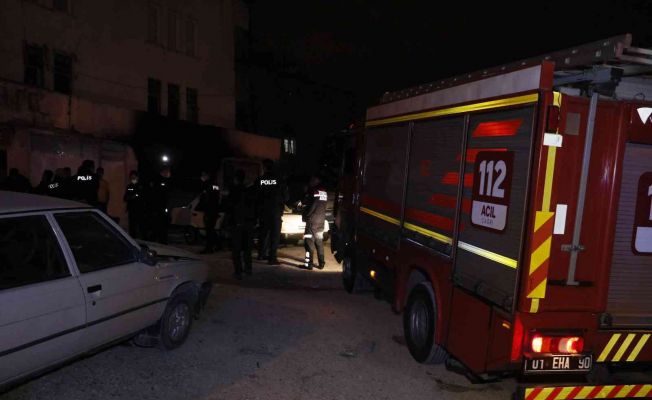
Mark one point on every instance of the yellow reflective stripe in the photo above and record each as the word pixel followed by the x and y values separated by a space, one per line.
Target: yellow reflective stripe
pixel 644 391
pixel 485 105
pixel 624 391
pixel 443 238
pixel 534 306
pixel 624 346
pixel 376 214
pixel 429 233
pixel 539 292
pixel 543 395
pixel 528 391
pixel 540 218
pixel 550 172
pixel 638 348
pixel 604 392
pixel 607 349
pixel 540 255
pixel 564 392
pixel 584 392
pixel 556 99
pixel 500 259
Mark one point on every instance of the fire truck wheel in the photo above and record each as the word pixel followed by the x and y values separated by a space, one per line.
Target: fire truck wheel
pixel 351 279
pixel 419 324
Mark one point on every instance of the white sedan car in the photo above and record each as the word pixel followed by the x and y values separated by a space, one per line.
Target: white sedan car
pixel 293 226
pixel 72 281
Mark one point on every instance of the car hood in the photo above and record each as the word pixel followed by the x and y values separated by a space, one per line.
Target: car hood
pixel 164 252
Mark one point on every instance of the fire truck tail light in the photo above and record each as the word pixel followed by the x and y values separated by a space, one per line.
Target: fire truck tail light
pixel 571 345
pixel 537 344
pixel 557 344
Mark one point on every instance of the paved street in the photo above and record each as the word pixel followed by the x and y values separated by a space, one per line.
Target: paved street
pixel 284 333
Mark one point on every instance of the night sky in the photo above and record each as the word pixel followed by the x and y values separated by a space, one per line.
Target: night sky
pixel 364 48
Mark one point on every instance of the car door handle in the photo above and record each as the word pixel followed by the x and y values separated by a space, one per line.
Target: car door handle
pixel 94 288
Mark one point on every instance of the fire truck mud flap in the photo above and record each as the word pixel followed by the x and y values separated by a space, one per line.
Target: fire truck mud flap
pixel 616 391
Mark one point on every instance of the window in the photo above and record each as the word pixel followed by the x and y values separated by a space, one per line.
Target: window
pixel 29 253
pixel 93 242
pixel 61 5
pixel 192 109
pixel 173 31
pixel 173 101
pixel 153 16
pixel 154 96
pixel 34 65
pixel 62 73
pixel 191 37
pixel 289 146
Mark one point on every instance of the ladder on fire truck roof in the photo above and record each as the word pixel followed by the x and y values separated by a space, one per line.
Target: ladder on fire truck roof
pixel 616 52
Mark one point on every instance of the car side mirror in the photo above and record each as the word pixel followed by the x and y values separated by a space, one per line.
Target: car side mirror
pixel 147 256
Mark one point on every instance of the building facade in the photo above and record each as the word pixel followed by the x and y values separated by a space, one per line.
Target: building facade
pixel 91 79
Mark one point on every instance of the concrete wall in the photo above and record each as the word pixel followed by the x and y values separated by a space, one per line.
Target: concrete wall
pixel 112 55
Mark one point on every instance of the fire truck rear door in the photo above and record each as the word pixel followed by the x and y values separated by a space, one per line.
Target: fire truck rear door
pixel 495 185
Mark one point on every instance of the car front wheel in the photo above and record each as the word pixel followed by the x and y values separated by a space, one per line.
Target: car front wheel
pixel 176 322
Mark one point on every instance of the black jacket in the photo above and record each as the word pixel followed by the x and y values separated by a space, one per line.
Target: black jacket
pixel 134 197
pixel 314 213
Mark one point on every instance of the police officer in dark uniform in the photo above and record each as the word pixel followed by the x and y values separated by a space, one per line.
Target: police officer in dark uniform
pixel 241 220
pixel 157 201
pixel 314 215
pixel 135 198
pixel 272 194
pixel 45 187
pixel 85 184
pixel 209 204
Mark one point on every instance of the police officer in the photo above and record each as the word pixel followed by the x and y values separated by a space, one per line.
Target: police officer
pixel 135 198
pixel 314 215
pixel 272 194
pixel 241 221
pixel 209 204
pixel 45 187
pixel 85 183
pixel 157 201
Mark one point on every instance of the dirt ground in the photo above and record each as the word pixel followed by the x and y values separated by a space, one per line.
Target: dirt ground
pixel 284 333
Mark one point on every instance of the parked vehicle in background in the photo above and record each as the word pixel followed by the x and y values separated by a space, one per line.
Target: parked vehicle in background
pixel 72 281
pixel 293 227
pixel 508 214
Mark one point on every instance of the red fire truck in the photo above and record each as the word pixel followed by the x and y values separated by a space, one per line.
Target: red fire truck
pixel 508 214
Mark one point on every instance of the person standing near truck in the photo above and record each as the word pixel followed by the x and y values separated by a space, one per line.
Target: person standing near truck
pixel 314 215
pixel 271 197
pixel 85 184
pixel 157 201
pixel 209 204
pixel 135 198
pixel 241 220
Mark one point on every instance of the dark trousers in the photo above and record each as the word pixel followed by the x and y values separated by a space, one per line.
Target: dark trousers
pixel 210 219
pixel 270 236
pixel 241 239
pixel 136 224
pixel 102 207
pixel 313 241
